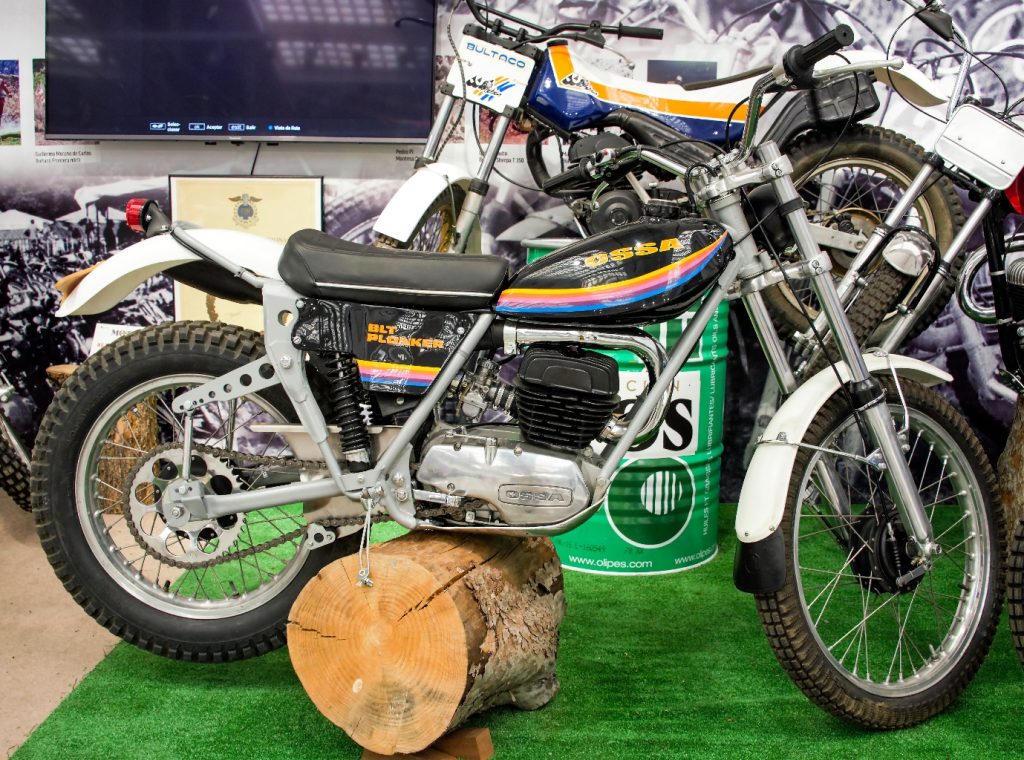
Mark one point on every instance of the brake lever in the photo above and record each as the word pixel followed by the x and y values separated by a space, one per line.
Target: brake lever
pixel 889 63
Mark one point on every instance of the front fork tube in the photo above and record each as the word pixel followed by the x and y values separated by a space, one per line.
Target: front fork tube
pixel 470 213
pixel 901 328
pixel 432 150
pixel 873 409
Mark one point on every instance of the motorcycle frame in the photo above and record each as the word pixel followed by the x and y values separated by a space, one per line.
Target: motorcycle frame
pixel 388 485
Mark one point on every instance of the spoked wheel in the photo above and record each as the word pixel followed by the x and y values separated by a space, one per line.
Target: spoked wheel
pixel 109 447
pixel 852 187
pixel 860 634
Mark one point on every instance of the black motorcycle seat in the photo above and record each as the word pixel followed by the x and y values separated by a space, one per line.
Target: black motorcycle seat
pixel 321 266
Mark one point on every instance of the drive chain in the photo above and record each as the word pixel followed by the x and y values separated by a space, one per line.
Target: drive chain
pixel 252 461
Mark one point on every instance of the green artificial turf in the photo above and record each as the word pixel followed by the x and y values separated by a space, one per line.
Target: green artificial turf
pixel 665 666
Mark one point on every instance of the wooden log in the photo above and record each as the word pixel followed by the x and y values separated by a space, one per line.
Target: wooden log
pixel 463 744
pixel 1011 472
pixel 454 624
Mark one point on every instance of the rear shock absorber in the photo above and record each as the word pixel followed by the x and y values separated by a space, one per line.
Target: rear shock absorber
pixel 350 410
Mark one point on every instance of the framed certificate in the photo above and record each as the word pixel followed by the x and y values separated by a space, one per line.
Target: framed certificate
pixel 272 207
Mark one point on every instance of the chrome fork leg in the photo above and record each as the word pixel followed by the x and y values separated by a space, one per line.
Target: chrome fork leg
pixel 863 387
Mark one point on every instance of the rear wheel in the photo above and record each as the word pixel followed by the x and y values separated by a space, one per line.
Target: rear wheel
pixel 856 641
pixel 14 474
pixel 209 590
pixel 852 187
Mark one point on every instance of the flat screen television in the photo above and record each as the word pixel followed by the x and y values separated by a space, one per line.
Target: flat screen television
pixel 358 70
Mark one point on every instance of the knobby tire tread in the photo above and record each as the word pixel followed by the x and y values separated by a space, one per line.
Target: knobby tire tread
pixel 781 612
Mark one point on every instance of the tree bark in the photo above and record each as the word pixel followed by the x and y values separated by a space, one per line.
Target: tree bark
pixel 1011 472
pixel 454 624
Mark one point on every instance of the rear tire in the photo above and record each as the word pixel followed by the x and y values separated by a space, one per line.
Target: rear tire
pixel 857 644
pixel 1015 589
pixel 869 169
pixel 14 476
pixel 118 563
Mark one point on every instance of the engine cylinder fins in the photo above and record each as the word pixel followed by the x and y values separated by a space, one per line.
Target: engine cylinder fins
pixel 565 396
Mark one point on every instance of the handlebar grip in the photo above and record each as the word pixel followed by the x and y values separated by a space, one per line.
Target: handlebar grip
pixel 575 175
pixel 799 60
pixel 640 32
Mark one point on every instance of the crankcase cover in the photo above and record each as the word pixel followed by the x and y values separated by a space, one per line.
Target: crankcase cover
pixel 640 273
pixel 524 483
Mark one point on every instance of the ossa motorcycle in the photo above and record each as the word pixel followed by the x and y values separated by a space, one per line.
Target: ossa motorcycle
pixel 190 477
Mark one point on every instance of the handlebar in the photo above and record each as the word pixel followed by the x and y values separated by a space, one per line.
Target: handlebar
pixel 640 32
pixel 798 62
pixel 591 33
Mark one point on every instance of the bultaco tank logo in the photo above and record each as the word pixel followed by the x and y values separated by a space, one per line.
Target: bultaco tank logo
pixel 245 214
pixel 488 89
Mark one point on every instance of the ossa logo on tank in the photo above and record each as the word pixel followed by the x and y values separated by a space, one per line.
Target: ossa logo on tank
pixel 640 249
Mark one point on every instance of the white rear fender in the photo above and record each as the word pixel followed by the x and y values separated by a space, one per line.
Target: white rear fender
pixel 404 211
pixel 766 483
pixel 106 285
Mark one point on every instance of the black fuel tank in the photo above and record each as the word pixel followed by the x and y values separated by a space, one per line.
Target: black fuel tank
pixel 644 272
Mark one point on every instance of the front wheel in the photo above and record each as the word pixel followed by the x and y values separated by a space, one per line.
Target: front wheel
pixel 210 590
pixel 435 230
pixel 866 648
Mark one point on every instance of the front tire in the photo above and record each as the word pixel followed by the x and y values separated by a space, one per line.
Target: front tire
pixel 1015 589
pixel 853 640
pixel 220 592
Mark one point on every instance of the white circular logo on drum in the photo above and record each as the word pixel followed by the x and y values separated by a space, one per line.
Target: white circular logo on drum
pixel 661 492
pixel 650 501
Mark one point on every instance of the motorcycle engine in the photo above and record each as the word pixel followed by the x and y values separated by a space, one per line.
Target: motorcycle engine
pixel 622 204
pixel 533 473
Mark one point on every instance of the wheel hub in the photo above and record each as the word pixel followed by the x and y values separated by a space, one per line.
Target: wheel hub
pixel 176 536
pixel 881 555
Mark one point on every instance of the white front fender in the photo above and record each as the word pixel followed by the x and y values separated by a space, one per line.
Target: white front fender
pixel 404 211
pixel 766 483
pixel 106 285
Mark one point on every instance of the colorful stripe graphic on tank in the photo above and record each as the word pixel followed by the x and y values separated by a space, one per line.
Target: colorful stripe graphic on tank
pixel 568 300
pixel 399 375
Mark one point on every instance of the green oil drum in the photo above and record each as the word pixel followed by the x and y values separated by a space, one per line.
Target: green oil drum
pixel 660 514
